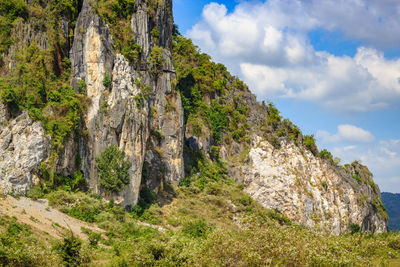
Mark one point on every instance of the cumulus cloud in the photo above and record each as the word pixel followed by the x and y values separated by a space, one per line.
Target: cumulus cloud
pixel 346 133
pixel 267 45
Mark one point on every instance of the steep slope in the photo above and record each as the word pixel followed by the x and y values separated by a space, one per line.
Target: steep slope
pixel 96 82
pixel 281 168
pixel 123 100
pixel 392 204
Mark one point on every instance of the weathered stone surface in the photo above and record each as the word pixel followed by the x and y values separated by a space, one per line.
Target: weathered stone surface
pixel 308 189
pixel 125 115
pixel 23 145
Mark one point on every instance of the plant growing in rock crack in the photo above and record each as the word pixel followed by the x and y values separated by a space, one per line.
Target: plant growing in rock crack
pixel 113 169
pixel 157 57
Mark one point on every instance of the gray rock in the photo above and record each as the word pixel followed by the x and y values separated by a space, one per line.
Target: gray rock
pixel 115 117
pixel 23 145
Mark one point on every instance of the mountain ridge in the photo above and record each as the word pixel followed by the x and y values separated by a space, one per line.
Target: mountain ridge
pixel 116 73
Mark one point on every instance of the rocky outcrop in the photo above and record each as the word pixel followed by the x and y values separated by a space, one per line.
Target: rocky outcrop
pixel 310 190
pixel 23 146
pixel 138 112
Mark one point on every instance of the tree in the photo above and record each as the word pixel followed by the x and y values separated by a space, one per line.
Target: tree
pixel 113 169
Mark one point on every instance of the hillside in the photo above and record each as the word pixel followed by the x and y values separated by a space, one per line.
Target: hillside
pixel 392 204
pixel 208 223
pixel 119 121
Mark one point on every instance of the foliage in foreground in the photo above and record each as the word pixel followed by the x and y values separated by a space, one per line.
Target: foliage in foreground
pixel 211 221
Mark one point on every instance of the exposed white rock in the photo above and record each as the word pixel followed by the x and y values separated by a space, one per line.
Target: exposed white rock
pixel 307 189
pixel 23 145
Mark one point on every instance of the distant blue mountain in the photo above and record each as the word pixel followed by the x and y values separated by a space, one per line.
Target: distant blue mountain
pixel 392 204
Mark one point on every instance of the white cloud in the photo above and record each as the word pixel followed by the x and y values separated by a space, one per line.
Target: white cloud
pixel 267 45
pixel 346 133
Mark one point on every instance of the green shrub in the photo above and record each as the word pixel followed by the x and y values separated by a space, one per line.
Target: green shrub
pixel 325 154
pixel 357 178
pixel 74 183
pixel 157 57
pixel 113 169
pixel 152 215
pixel 218 118
pixel 173 222
pixel 93 237
pixel 132 51
pixel 84 212
pixel 70 250
pixel 273 116
pixel 14 229
pixel 35 192
pixel 82 87
pixel 107 82
pixel 309 143
pixel 214 152
pixel 156 34
pixel 246 200
pixel 278 216
pixel 196 229
pixel 196 127
pixel 354 228
pixel 157 134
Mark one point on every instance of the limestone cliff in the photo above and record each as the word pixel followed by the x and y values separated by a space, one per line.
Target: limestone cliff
pixel 138 110
pixel 134 106
pixel 126 79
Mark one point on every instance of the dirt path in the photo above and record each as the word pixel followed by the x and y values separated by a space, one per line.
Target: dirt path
pixel 39 215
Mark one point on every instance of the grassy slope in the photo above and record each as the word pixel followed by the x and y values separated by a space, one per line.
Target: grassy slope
pixel 216 225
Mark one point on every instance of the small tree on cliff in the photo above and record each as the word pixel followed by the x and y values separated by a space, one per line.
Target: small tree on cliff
pixel 113 169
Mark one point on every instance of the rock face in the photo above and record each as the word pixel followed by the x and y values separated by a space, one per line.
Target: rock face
pixel 138 112
pixel 23 145
pixel 309 190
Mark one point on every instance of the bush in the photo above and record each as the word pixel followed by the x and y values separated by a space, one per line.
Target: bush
pixel 309 143
pixel 196 229
pixel 70 250
pixel 325 154
pixel 214 152
pixel 93 237
pixel 273 115
pixel 152 215
pixel 113 169
pixel 357 178
pixel 132 51
pixel 107 81
pixel 82 87
pixel 354 228
pixel 246 200
pixel 157 57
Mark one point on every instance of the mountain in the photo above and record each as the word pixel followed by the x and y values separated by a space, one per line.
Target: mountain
pixel 392 204
pixel 107 97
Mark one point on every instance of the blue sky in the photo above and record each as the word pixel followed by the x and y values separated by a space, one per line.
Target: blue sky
pixel 332 67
